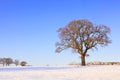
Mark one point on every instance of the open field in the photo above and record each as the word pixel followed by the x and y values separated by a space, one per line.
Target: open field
pixel 61 73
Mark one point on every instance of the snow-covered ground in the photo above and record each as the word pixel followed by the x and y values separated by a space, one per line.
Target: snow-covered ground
pixel 61 73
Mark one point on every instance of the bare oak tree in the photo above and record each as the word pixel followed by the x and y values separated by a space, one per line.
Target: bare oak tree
pixel 81 36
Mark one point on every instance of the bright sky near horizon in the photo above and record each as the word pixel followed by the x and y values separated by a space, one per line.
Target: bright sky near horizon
pixel 28 29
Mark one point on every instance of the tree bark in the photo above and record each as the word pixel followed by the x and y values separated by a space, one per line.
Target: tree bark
pixel 83 60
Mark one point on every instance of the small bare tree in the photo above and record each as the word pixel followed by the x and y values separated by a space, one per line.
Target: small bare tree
pixel 9 61
pixel 81 36
pixel 4 61
pixel 23 63
pixel 16 62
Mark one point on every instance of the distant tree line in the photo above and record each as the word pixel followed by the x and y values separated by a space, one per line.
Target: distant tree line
pixel 9 61
pixel 96 63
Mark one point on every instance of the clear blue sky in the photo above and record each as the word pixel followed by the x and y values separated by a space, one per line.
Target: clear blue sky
pixel 28 29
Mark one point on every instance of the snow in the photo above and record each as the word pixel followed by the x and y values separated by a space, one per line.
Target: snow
pixel 61 73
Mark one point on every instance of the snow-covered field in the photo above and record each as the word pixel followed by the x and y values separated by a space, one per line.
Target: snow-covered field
pixel 61 73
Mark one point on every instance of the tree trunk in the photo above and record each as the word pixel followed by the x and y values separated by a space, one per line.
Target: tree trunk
pixel 83 60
